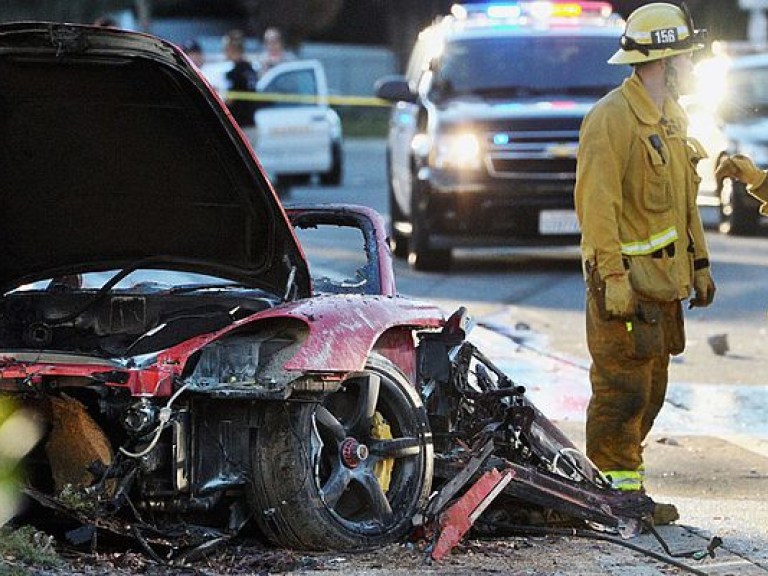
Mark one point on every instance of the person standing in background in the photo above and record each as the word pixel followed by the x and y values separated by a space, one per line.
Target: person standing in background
pixel 241 78
pixel 743 169
pixel 274 50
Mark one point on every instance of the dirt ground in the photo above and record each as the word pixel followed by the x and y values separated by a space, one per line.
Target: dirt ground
pixel 544 556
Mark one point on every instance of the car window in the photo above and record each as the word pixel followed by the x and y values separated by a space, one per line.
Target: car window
pixel 337 259
pixel 565 64
pixel 295 82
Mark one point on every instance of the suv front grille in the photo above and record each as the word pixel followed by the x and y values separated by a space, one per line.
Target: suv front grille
pixel 533 154
pixel 503 166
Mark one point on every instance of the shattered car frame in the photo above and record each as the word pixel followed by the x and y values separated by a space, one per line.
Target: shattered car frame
pixel 158 315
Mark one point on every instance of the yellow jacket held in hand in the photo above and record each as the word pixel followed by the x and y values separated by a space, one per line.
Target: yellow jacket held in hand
pixel 637 204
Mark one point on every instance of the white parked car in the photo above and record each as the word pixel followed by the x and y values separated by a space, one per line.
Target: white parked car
pixel 298 136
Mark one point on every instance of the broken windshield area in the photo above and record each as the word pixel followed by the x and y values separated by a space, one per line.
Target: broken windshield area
pixel 140 281
pixel 338 259
pixel 501 66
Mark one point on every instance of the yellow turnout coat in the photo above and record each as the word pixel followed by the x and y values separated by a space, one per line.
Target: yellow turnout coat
pixel 635 193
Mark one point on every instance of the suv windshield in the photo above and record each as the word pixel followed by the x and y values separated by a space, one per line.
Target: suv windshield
pixel 519 65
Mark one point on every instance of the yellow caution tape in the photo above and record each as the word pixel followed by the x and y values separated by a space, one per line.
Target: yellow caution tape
pixel 305 99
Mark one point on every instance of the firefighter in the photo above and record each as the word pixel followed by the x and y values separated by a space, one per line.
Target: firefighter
pixel 743 169
pixel 643 246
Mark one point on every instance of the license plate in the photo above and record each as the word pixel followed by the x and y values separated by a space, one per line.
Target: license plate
pixel 558 222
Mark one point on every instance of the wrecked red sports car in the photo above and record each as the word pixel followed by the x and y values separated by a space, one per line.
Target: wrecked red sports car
pixel 158 315
pixel 157 310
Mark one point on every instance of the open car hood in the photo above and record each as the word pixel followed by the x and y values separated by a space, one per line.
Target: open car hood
pixel 115 152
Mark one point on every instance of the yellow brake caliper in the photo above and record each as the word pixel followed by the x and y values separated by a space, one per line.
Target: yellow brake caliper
pixel 383 468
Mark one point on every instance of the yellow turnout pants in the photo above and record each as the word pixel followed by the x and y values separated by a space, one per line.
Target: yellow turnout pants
pixel 629 377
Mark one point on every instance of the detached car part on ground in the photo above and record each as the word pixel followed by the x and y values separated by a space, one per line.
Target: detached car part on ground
pixel 158 316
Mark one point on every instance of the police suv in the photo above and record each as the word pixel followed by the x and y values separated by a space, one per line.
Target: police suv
pixel 484 129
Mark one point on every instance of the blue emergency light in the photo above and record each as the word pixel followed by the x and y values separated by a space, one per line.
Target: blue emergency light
pixel 508 12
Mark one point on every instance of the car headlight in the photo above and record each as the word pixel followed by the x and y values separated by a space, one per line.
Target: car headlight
pixel 459 151
pixel 248 359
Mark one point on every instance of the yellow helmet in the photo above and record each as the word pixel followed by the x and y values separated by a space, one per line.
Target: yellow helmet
pixel 655 31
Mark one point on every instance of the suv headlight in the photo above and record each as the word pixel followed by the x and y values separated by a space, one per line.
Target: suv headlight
pixel 459 151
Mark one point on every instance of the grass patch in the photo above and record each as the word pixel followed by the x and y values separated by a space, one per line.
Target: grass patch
pixel 25 547
pixel 364 121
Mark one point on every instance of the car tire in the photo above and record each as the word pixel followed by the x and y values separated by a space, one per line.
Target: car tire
pixel 334 176
pixel 398 242
pixel 422 255
pixel 739 214
pixel 313 489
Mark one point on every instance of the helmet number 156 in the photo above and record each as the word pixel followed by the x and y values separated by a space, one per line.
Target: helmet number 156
pixel 665 36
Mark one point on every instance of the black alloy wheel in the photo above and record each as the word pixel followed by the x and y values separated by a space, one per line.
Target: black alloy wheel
pixel 398 242
pixel 345 473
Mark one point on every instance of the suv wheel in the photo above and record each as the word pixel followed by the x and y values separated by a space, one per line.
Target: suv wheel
pixel 347 472
pixel 739 214
pixel 334 175
pixel 422 255
pixel 398 242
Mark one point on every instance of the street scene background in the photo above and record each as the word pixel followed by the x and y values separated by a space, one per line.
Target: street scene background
pixel 708 453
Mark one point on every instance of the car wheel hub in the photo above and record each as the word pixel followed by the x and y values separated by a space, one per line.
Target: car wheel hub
pixel 353 453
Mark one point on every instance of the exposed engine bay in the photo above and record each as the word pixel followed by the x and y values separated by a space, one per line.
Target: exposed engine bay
pixel 118 323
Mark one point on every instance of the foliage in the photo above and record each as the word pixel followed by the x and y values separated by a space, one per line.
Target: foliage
pixel 18 435
pixel 364 122
pixel 24 547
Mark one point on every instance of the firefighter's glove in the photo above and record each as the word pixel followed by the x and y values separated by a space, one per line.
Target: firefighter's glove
pixel 742 169
pixel 619 298
pixel 703 289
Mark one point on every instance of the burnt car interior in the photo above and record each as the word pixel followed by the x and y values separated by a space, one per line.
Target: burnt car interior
pixel 121 322
pixel 320 228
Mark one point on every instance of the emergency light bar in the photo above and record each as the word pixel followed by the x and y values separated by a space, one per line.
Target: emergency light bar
pixel 508 12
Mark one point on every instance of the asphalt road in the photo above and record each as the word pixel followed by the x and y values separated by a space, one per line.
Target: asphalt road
pixel 709 451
